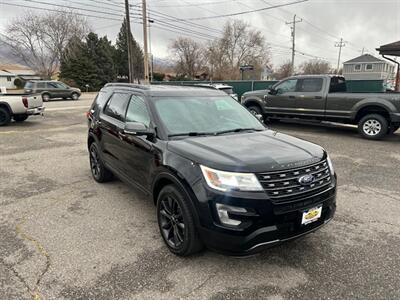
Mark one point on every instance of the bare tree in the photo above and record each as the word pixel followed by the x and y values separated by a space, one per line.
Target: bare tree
pixel 239 45
pixel 315 66
pixel 40 39
pixel 283 71
pixel 189 56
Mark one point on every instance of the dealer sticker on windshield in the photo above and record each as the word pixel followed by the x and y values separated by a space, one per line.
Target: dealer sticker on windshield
pixel 311 215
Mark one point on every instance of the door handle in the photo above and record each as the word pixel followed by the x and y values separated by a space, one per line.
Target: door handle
pixel 292 97
pixel 301 96
pixel 318 97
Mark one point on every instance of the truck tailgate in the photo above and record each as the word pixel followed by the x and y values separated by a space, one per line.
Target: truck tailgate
pixel 34 101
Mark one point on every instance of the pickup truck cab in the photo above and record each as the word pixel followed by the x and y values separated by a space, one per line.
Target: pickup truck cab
pixel 324 98
pixel 19 107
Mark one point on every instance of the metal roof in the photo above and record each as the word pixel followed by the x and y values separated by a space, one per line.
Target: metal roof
pixel 364 58
pixel 390 49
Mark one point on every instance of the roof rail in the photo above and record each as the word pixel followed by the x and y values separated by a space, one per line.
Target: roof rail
pixel 131 85
pixel 194 85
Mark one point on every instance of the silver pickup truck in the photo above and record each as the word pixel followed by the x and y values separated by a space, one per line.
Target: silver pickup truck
pixel 19 107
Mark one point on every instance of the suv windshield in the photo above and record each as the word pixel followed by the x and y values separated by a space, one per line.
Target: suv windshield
pixel 204 115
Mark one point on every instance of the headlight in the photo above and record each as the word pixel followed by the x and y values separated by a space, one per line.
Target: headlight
pixel 330 165
pixel 225 181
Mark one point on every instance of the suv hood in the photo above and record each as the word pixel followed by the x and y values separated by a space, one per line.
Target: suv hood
pixel 248 152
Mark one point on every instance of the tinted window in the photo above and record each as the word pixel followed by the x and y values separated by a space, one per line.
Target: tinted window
pixel 338 84
pixel 137 111
pixel 40 85
pixel 52 85
pixel 116 107
pixel 28 85
pixel 310 85
pixel 286 86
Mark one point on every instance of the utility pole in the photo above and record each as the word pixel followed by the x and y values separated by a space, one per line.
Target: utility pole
pixel 340 45
pixel 146 52
pixel 150 51
pixel 293 27
pixel 128 41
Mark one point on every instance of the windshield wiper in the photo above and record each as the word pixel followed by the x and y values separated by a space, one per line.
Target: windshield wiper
pixel 192 133
pixel 238 130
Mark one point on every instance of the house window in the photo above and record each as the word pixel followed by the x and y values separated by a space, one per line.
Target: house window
pixel 357 67
pixel 8 78
pixel 368 67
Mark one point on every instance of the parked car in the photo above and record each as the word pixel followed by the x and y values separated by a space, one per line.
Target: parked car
pixel 222 87
pixel 324 98
pixel 217 175
pixel 19 107
pixel 52 89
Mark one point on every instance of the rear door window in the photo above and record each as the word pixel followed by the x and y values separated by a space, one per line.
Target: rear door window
pixel 116 107
pixel 137 111
pixel 310 85
pixel 40 85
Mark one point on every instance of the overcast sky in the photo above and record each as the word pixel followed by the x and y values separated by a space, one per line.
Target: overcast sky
pixel 361 23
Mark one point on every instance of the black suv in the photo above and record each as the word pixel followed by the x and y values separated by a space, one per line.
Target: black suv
pixel 217 176
pixel 52 89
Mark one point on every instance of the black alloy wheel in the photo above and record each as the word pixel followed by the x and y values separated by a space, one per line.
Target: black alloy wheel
pixel 99 172
pixel 172 223
pixel 176 221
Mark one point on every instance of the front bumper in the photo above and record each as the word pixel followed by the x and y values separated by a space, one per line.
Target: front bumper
pixel 35 111
pixel 269 225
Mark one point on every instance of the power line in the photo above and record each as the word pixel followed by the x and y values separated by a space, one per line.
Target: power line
pixel 339 44
pixel 244 12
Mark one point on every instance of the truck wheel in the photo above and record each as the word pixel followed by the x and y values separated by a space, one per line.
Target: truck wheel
pixel 255 110
pixel 5 116
pixel 176 222
pixel 45 97
pixel 20 118
pixel 373 127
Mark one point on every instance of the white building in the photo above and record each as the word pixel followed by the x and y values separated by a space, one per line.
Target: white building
pixel 7 80
pixel 368 67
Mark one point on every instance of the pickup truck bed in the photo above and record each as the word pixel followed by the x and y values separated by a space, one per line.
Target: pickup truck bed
pixel 19 107
pixel 324 98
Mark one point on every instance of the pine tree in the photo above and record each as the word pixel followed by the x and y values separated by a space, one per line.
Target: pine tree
pixel 89 62
pixel 121 56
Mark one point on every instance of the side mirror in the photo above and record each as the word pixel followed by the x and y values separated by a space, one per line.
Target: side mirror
pixel 138 129
pixel 273 91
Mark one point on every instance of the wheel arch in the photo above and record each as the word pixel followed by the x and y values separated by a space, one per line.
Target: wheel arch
pixel 6 106
pixel 170 176
pixel 253 102
pixel 372 109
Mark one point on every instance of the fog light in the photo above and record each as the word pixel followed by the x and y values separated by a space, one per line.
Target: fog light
pixel 223 214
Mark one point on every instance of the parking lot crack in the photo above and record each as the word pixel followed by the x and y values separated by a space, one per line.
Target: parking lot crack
pixel 19 276
pixel 42 251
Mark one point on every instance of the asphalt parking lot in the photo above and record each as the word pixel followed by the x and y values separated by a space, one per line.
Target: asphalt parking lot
pixel 62 236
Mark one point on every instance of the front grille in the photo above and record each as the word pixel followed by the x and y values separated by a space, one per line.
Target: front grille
pixel 284 186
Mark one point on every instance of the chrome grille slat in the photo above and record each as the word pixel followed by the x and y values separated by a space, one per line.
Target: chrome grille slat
pixel 284 185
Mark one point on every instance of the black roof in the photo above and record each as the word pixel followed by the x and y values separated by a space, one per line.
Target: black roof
pixel 167 90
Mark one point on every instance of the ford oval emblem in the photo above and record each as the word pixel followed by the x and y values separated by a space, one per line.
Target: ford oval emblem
pixel 306 179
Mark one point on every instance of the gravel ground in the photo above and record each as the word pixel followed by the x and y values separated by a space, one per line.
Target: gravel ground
pixel 62 236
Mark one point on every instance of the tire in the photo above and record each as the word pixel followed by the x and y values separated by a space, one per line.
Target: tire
pixel 46 97
pixel 99 172
pixel 20 118
pixel 5 116
pixel 176 222
pixel 373 126
pixel 74 96
pixel 255 110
